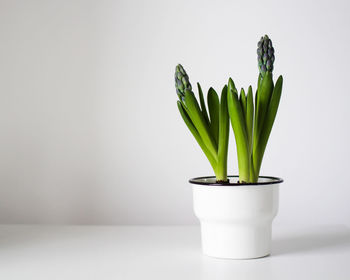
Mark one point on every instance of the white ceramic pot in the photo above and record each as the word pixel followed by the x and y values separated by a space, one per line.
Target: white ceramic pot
pixel 236 219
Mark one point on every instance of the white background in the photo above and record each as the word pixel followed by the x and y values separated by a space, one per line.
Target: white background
pixel 90 131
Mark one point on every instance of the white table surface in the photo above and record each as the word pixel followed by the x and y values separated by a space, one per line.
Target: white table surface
pixel 165 252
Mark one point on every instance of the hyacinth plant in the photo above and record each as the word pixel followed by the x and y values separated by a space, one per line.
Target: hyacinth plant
pixel 251 118
pixel 210 130
pixel 252 124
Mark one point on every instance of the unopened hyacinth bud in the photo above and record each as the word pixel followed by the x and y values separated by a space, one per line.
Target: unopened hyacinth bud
pixel 182 81
pixel 266 55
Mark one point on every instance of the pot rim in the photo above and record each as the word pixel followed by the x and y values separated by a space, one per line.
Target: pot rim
pixel 203 181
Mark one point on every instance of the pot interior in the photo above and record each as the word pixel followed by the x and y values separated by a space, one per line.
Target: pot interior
pixel 234 181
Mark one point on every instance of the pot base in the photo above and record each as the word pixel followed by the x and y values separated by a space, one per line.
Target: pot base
pixel 236 241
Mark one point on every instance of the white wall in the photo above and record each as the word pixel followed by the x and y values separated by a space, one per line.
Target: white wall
pixel 90 131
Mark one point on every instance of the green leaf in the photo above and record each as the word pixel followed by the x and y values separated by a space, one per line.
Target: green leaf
pixel 239 128
pixel 264 95
pixel 250 118
pixel 213 105
pixel 268 123
pixel 196 135
pixel 243 101
pixel 231 86
pixel 201 100
pixel 199 122
pixel 263 99
pixel 224 130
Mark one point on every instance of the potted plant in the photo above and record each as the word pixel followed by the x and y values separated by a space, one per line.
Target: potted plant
pixel 235 212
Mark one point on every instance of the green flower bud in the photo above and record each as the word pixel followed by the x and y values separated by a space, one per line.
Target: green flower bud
pixel 266 55
pixel 182 81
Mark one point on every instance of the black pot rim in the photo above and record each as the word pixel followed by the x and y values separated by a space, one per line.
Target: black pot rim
pixel 197 181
